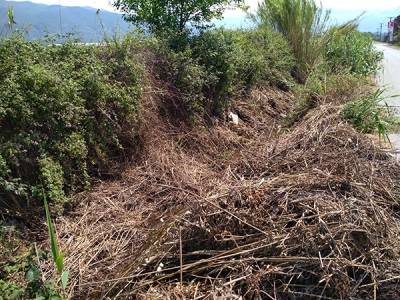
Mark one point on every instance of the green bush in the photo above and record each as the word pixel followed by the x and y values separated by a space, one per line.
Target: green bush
pixel 353 51
pixel 65 112
pixel 221 64
pixel 236 60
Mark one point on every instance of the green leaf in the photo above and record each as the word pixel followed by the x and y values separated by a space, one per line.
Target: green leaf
pixel 60 262
pixel 32 275
pixel 58 257
pixel 10 16
pixel 64 279
pixel 52 234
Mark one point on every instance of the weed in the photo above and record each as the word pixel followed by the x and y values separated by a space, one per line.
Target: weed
pixel 21 275
pixel 58 256
pixel 368 115
pixel 10 17
pixel 322 86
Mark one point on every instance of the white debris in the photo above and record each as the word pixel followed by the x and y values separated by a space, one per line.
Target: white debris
pixel 148 260
pixel 160 267
pixel 234 118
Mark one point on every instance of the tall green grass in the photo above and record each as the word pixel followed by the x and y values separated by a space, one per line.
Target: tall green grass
pixel 10 17
pixel 303 23
pixel 306 27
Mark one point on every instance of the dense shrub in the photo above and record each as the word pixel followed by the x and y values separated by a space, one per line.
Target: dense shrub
pixel 65 112
pixel 221 64
pixel 353 51
pixel 238 60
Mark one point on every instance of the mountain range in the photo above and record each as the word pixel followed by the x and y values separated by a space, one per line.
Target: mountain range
pixel 90 25
pixel 38 20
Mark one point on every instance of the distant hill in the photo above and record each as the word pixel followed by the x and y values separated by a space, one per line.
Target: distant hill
pixel 40 19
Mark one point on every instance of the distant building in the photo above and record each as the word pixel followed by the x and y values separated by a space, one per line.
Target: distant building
pixel 396 29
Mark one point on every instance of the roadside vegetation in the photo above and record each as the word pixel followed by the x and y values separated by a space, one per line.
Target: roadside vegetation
pixel 157 193
pixel 65 112
pixel 305 26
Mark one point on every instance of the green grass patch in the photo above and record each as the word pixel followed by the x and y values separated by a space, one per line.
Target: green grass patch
pixel 369 115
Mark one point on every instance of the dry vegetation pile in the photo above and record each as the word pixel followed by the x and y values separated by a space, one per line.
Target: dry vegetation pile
pixel 256 210
pixel 290 203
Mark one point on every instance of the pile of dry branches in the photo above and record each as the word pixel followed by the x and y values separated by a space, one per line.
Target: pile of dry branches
pixel 248 211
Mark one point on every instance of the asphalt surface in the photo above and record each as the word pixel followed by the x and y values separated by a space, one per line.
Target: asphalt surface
pixel 389 79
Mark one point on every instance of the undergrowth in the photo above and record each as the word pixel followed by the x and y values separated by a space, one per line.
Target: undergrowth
pixel 349 60
pixel 66 111
pixel 353 51
pixel 219 65
pixel 21 276
pixel 369 115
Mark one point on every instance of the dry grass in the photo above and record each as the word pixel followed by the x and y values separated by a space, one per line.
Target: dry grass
pixel 254 211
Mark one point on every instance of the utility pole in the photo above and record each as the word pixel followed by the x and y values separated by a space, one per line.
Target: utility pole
pixel 391 29
pixel 60 16
pixel 380 33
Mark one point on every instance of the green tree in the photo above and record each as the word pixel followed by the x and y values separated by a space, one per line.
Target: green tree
pixel 173 16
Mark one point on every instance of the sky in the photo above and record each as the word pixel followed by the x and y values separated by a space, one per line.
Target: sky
pixel 374 11
pixel 367 5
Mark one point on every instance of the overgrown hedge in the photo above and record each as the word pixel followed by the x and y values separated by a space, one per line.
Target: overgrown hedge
pixel 65 112
pixel 220 64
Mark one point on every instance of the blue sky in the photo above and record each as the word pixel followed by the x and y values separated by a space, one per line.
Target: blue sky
pixel 367 5
pixel 376 11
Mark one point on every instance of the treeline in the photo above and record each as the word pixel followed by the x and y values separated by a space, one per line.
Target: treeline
pixel 69 112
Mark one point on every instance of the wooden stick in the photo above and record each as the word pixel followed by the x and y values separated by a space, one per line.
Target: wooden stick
pixel 180 254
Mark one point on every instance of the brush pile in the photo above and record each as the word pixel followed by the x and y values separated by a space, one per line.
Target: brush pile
pixel 243 212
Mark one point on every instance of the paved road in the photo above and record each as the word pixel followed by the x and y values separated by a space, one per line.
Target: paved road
pixel 389 78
